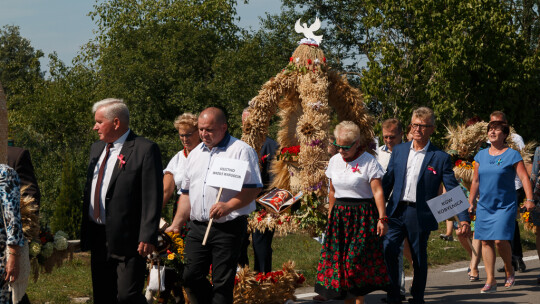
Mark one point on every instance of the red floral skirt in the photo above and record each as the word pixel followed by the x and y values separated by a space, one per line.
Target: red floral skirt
pixel 352 260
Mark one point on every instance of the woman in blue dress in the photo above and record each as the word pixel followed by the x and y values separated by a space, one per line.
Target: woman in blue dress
pixel 494 173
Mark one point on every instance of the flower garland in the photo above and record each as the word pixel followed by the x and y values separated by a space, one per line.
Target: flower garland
pixel 282 224
pixel 272 288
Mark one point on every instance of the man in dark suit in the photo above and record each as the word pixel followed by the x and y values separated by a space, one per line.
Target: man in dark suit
pixel 414 175
pixel 122 205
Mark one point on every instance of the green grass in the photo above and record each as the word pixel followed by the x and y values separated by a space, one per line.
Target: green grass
pixel 73 279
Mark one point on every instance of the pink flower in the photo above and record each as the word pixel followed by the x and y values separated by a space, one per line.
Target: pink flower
pixel 121 161
pixel 430 168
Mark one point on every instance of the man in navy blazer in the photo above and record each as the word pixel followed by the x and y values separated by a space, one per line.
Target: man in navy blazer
pixel 122 205
pixel 414 175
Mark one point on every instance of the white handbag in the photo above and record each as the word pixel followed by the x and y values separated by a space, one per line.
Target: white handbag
pixel 157 278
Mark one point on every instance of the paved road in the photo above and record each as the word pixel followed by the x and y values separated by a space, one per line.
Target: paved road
pixel 449 284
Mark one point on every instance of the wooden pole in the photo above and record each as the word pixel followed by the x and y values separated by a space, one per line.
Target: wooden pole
pixel 211 220
pixel 468 239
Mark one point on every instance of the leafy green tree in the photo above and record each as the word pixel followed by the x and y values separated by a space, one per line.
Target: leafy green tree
pixel 67 214
pixel 19 65
pixel 460 57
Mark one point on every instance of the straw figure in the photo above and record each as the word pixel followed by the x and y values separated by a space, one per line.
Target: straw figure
pixel 304 92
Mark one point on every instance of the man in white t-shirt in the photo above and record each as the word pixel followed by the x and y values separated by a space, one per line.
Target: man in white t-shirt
pixel 392 131
pixel 517 251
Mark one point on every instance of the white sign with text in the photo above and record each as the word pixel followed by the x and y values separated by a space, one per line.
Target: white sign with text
pixel 227 173
pixel 448 204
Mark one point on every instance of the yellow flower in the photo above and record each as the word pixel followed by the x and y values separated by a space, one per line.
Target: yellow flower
pixel 170 256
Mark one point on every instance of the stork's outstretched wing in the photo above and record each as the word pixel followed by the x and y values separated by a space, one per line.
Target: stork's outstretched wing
pixel 316 25
pixel 298 28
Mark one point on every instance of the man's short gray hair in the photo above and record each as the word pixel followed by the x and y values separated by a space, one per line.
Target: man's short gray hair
pixel 425 114
pixel 113 108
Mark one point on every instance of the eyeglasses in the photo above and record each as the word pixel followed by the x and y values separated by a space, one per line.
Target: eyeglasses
pixel 344 148
pixel 419 126
pixel 185 135
pixel 391 137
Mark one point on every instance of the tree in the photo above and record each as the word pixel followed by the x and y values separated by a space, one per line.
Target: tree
pixel 67 214
pixel 462 58
pixel 19 64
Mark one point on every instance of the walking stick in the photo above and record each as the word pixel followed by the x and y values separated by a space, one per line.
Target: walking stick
pixel 211 220
pixel 468 239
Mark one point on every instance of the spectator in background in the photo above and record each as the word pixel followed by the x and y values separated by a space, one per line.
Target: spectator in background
pixel 186 124
pixel 494 172
pixel 262 240
pixel 392 132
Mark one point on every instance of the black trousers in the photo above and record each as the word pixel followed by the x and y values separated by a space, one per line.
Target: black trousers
pixel 262 250
pixel 517 251
pixel 115 280
pixel 222 251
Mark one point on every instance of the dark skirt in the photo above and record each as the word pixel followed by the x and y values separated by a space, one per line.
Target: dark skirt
pixel 352 260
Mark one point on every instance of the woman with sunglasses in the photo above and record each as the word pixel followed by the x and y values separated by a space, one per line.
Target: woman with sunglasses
pixel 352 261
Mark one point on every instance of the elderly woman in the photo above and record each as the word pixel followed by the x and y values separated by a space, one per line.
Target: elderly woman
pixel 11 234
pixel 494 173
pixel 352 262
pixel 186 124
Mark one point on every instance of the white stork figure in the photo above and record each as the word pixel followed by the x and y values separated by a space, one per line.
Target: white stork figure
pixel 308 31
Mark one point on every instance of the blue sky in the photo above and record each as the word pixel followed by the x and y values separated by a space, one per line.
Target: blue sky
pixel 63 25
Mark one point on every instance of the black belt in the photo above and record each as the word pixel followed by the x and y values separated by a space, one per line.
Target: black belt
pixel 349 201
pixel 406 203
pixel 237 219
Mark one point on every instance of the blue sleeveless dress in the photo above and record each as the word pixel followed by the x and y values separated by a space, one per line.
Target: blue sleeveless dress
pixel 497 205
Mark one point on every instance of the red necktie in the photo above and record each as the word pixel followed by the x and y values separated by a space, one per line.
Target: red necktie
pixel 97 192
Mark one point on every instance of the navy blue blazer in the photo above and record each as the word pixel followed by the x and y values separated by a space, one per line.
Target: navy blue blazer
pixel 428 184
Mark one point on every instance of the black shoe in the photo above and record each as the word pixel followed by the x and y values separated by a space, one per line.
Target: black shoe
pixel 521 266
pixel 501 269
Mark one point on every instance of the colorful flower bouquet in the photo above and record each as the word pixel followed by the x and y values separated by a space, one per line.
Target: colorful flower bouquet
pixel 175 254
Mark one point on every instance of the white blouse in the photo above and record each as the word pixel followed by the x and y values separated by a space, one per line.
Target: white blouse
pixel 176 167
pixel 352 179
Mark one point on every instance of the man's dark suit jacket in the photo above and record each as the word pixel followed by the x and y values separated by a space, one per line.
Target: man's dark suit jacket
pixel 133 200
pixel 428 183
pixel 19 159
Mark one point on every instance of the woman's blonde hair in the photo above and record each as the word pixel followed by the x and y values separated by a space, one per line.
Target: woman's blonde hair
pixel 347 131
pixel 186 119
